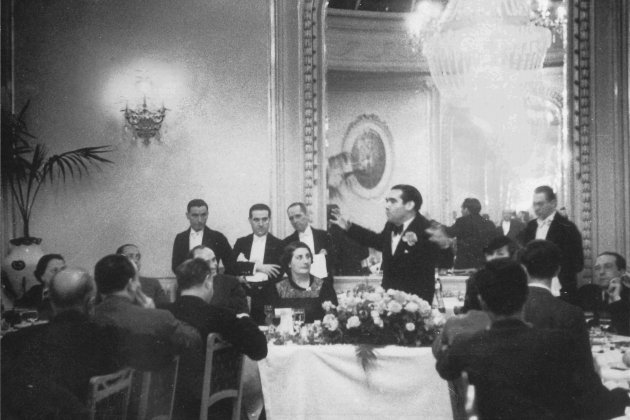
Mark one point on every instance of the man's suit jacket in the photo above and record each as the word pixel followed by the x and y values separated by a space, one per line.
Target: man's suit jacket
pixel 516 227
pixel 243 245
pixel 321 240
pixel 520 372
pixel 46 368
pixel 591 298
pixel 149 337
pixel 410 268
pixel 473 234
pixel 259 292
pixel 543 310
pixel 565 234
pixel 214 240
pixel 243 333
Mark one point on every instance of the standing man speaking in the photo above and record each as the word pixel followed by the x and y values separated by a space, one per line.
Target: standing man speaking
pixel 409 255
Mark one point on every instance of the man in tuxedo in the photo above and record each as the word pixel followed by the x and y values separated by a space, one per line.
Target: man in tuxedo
pixel 521 372
pixel 46 368
pixel 195 281
pixel 409 255
pixel 550 225
pixel 200 234
pixel 510 226
pixel 473 234
pixel 150 286
pixel 149 337
pixel 609 297
pixel 258 258
pixel 228 292
pixel 541 260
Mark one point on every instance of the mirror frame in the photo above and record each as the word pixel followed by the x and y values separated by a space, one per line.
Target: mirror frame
pixel 577 114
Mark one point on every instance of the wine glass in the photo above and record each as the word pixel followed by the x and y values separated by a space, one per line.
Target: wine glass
pixel 604 325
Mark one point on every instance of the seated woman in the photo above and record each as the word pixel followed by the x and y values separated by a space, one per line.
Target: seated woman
pixel 300 289
pixel 37 296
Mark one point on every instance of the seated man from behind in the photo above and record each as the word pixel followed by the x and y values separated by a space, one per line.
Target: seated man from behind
pixel 46 368
pixel 541 260
pixel 150 337
pixel 228 291
pixel 520 372
pixel 196 284
pixel 150 286
pixel 609 297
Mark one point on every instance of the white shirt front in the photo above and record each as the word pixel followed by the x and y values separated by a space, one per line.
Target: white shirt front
pixel 307 238
pixel 506 227
pixel 397 237
pixel 195 238
pixel 543 226
pixel 257 253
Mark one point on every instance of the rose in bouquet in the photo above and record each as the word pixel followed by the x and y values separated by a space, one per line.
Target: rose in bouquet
pixel 374 316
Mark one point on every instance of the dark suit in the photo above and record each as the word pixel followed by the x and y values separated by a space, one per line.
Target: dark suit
pixel 46 368
pixel 243 333
pixel 152 288
pixel 516 227
pixel 565 234
pixel 410 268
pixel 149 337
pixel 591 298
pixel 321 240
pixel 258 291
pixel 543 310
pixel 229 294
pixel 473 234
pixel 214 240
pixel 521 372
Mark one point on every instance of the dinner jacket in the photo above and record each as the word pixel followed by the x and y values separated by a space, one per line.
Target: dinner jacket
pixel 520 372
pixel 243 245
pixel 149 337
pixel 409 268
pixel 516 227
pixel 591 298
pixel 242 332
pixel 214 240
pixel 567 237
pixel 229 294
pixel 544 310
pixel 152 288
pixel 473 234
pixel 321 240
pixel 260 291
pixel 46 368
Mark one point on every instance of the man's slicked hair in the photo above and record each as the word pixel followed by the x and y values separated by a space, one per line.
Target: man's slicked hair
pixel 541 258
pixel 547 190
pixel 409 193
pixel 191 273
pixel 112 273
pixel 620 261
pixel 502 285
pixel 300 204
pixel 122 248
pixel 42 265
pixel 472 204
pixel 197 202
pixel 259 206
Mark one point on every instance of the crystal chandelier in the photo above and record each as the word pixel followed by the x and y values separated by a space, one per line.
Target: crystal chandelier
pixel 486 48
pixel 145 124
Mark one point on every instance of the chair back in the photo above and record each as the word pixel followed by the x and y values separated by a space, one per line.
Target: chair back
pixel 108 397
pixel 222 376
pixel 157 395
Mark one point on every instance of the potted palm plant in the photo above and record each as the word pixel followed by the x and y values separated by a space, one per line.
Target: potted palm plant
pixel 25 168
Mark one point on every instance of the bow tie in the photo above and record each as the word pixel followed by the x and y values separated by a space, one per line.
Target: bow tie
pixel 397 230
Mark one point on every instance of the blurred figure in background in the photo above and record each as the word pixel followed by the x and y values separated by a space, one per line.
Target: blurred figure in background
pixel 150 286
pixel 510 225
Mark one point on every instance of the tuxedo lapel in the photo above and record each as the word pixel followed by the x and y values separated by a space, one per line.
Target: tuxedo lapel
pixel 249 240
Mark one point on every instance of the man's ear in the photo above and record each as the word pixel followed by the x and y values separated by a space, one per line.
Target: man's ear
pixel 409 205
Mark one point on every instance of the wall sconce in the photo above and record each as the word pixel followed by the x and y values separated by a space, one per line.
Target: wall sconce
pixel 145 124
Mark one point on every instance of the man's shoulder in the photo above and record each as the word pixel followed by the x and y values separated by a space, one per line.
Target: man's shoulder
pixel 246 238
pixel 182 233
pixel 213 233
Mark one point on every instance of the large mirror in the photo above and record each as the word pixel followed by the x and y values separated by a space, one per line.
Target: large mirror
pixel 387 120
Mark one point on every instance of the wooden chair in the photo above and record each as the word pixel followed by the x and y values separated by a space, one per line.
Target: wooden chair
pixel 222 376
pixel 108 397
pixel 157 395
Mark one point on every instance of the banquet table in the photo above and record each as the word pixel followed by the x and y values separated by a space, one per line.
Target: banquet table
pixel 329 382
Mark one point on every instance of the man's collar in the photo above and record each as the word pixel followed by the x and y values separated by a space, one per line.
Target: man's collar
pixel 196 232
pixel 260 238
pixel 307 232
pixel 407 223
pixel 540 285
pixel 548 219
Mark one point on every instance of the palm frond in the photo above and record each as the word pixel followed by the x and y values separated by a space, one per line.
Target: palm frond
pixel 75 163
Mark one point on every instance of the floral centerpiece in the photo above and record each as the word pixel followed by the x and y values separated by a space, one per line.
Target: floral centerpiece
pixel 370 316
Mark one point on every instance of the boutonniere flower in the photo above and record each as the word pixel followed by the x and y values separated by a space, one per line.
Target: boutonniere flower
pixel 410 238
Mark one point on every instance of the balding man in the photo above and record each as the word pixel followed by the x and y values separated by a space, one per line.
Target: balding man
pixel 46 368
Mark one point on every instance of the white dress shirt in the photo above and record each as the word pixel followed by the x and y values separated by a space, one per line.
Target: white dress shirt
pixel 257 253
pixel 397 237
pixel 543 226
pixel 506 227
pixel 307 238
pixel 195 238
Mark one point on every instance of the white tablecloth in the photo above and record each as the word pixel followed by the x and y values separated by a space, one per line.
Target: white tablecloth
pixel 328 382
